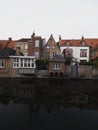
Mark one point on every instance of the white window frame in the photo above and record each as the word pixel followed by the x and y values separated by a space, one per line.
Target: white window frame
pixel 57 66
pixel 36 54
pixel 83 52
pixel 22 46
pixel 26 46
pixel 36 43
pixel 16 62
pixel 48 47
pixel 23 62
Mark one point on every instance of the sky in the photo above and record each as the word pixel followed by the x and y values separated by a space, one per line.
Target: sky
pixel 69 18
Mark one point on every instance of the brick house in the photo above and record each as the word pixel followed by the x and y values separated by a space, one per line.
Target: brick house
pixel 17 66
pixel 51 48
pixel 57 66
pixel 31 46
pixel 35 46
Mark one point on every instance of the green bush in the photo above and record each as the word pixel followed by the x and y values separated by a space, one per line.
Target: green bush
pixel 42 63
pixel 68 60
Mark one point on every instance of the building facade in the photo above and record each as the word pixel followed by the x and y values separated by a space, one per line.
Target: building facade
pixel 77 49
pixel 57 66
pixel 51 48
pixel 17 66
pixel 23 45
pixel 35 46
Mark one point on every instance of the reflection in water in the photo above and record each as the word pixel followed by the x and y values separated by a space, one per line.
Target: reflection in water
pixel 48 104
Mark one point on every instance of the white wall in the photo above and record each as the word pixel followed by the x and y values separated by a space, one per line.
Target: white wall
pixel 76 52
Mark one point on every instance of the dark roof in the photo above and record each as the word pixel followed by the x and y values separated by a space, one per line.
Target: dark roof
pixel 7 52
pixel 23 40
pixel 58 58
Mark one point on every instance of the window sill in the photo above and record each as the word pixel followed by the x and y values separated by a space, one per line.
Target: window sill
pixel 57 68
pixel 1 66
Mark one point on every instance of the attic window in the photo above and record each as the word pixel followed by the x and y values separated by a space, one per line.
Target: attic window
pixel 83 43
pixel 67 43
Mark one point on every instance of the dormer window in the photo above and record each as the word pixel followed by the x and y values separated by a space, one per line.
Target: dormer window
pixel 67 43
pixel 83 43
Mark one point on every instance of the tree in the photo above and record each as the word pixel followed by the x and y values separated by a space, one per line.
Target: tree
pixel 42 64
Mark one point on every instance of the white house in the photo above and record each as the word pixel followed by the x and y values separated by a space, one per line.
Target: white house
pixel 80 53
pixel 78 49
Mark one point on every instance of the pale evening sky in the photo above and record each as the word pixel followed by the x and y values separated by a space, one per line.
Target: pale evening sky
pixel 68 18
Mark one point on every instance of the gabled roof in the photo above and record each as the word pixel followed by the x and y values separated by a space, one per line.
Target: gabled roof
pixel 52 40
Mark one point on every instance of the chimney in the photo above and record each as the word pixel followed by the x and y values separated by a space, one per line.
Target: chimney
pixel 32 35
pixel 10 39
pixel 59 39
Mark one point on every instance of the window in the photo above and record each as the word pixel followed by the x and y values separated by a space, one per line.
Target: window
pixel 36 54
pixel 26 46
pixel 22 46
pixel 54 47
pixel 1 63
pixel 57 66
pixel 16 63
pixel 83 52
pixel 47 47
pixel 36 43
pixel 23 63
pixel 44 42
pixel 47 55
pixel 54 53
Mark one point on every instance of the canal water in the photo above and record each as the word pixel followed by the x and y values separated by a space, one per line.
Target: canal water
pixel 48 104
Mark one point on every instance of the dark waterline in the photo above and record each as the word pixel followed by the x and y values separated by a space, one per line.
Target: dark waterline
pixel 48 104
